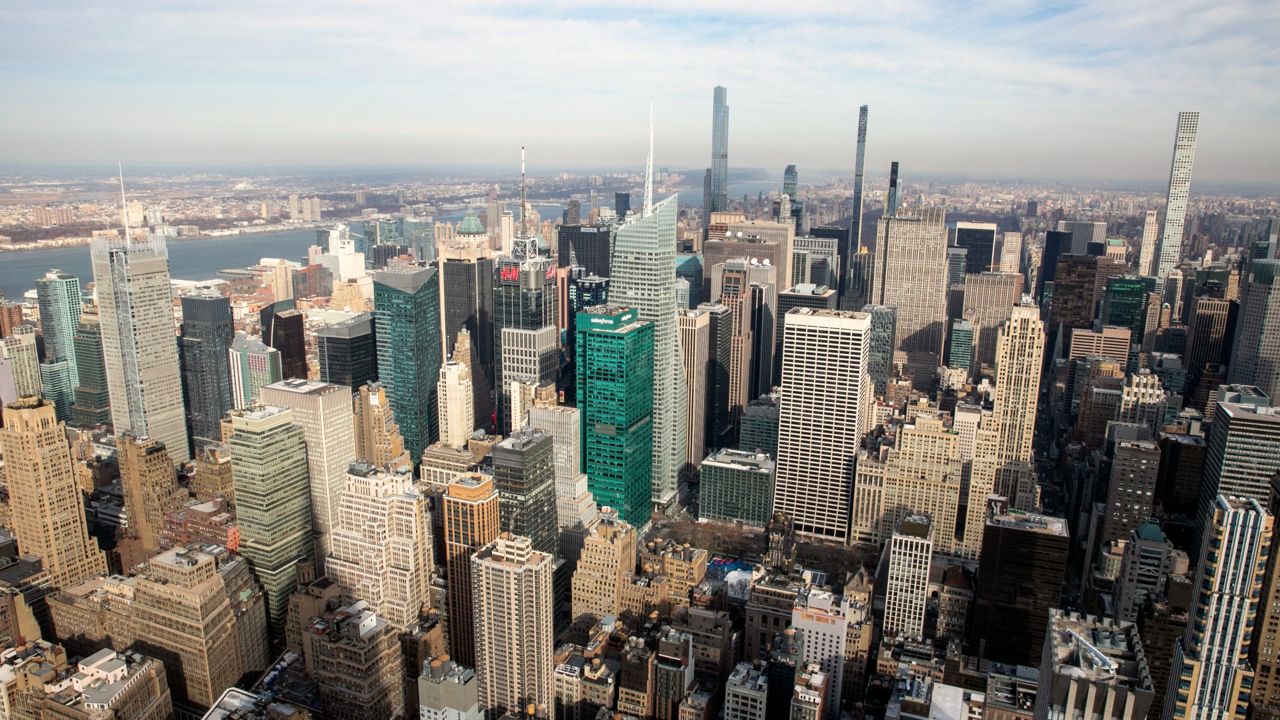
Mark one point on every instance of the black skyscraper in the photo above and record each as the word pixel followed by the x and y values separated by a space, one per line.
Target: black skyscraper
pixel 1056 244
pixel 348 352
pixel 585 245
pixel 207 331
pixel 622 204
pixel 468 303
pixel 283 330
pixel 524 474
pixel 718 350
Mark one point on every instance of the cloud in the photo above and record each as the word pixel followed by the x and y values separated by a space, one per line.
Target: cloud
pixel 984 87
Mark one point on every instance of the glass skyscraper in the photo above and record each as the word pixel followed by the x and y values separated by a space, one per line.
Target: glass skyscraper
pixel 58 295
pixel 207 332
pixel 644 258
pixel 719 152
pixel 92 402
pixel 347 352
pixel 615 399
pixel 524 311
pixel 406 304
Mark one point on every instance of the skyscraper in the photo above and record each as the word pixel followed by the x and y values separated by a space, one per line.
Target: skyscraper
pixel 524 475
pixel 378 438
pixel 979 243
pixel 1093 669
pixel 1255 359
pixel 92 403
pixel 23 353
pixel 615 387
pixel 1211 677
pixel 471 520
pixel 457 411
pixel 253 365
pixel 911 276
pixel 406 311
pixel 205 341
pixel 324 412
pixel 719 347
pixel 347 351
pixel 58 295
pixel 514 641
pixel 1083 234
pixel 150 488
pixel 644 255
pixel 695 335
pixel 273 502
pixel 1243 448
pixel 139 347
pixel 907 592
pixel 892 199
pixel 381 544
pixel 826 398
pixel 44 495
pixel 1147 244
pixel 466 301
pixel 853 245
pixel 1175 213
pixel 283 329
pixel 719 151
pixel 526 336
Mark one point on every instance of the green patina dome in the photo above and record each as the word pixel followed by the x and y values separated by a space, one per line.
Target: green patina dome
pixel 471 224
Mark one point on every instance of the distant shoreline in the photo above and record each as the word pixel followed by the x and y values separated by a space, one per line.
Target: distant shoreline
pixel 221 233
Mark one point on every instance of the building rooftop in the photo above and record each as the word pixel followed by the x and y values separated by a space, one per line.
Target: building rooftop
pixel 1031 522
pixel 308 387
pixel 740 460
pixel 1097 649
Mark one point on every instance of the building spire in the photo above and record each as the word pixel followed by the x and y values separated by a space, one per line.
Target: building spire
pixel 124 208
pixel 648 167
pixel 524 209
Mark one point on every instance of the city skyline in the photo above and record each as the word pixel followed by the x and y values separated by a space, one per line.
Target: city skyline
pixel 981 92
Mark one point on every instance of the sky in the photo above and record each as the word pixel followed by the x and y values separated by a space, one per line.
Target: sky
pixel 979 88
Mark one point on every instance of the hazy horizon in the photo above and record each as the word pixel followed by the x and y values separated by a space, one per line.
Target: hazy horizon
pixel 997 89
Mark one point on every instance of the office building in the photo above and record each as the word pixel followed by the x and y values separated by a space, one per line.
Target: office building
pixel 59 299
pixel 586 246
pixel 283 329
pixel 1148 564
pixel 150 488
pixel 139 346
pixel 1083 232
pixel 273 501
pixel 1147 244
pixel 92 400
pixel 805 294
pixel 719 346
pixel 1093 669
pixel 1243 448
pixel 643 279
pixel 826 398
pixel 324 412
pixel 892 199
pixel 1213 677
pixel 466 302
pixel 910 276
pixel 615 388
pixel 1175 213
pixel 457 411
pixel 182 612
pixel 1020 576
pixel 407 318
pixel 1255 359
pixel 377 436
pixel 607 561
pixel 1009 258
pixel 1110 342
pixel 695 338
pixel 104 684
pixel 574 503
pixel 758 431
pixel 448 691
pixel 853 245
pixel 253 365
pixel 347 351
pixel 884 330
pixel 1124 303
pixel 205 340
pixel 1131 492
pixel 765 242
pixel 354 656
pixel 718 195
pixel 746 694
pixel 471 521
pixel 47 512
pixel 381 544
pixel 1142 400
pixel 514 643
pixel 822 619
pixel 979 243
pixel 1209 333
pixel 907 592
pixel 736 485
pixel 988 301
pixel 960 345
pixel 527 338
pixel 525 477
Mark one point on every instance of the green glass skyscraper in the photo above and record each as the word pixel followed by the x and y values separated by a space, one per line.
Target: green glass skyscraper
pixel 406 309
pixel 58 294
pixel 273 502
pixel 1125 304
pixel 615 402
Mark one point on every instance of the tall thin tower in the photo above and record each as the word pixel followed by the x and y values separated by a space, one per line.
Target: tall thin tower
pixel 1175 214
pixel 644 260
pixel 854 242
pixel 719 150
pixel 139 345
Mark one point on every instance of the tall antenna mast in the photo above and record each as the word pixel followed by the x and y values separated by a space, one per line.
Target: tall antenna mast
pixel 124 209
pixel 524 209
pixel 648 167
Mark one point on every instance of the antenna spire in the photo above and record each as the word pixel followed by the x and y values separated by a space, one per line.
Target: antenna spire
pixel 648 167
pixel 124 208
pixel 524 209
